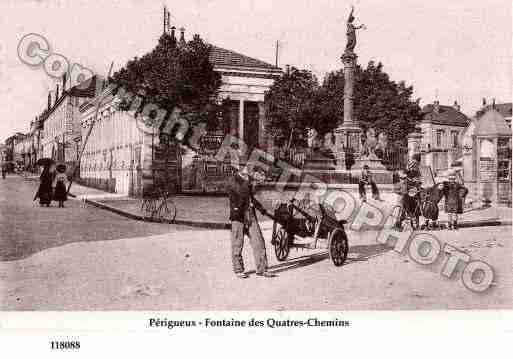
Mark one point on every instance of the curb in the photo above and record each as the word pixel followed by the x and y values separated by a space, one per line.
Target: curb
pixel 199 224
pixel 227 225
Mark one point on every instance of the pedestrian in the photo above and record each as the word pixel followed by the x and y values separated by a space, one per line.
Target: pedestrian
pixel 430 209
pixel 59 185
pixel 44 192
pixel 244 221
pixel 455 194
pixel 413 174
pixel 400 190
pixel 4 170
pixel 366 178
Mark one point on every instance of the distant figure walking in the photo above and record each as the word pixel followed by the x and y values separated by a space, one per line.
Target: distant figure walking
pixel 44 192
pixel 59 185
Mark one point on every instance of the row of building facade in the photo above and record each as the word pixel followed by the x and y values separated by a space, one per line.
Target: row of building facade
pixel 108 148
pixel 105 147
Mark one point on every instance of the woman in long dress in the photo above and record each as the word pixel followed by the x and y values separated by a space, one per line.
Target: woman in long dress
pixel 44 192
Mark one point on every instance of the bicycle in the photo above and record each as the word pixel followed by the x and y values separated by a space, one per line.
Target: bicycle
pixel 159 207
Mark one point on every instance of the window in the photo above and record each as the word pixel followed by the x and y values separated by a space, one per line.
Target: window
pixel 439 138
pixel 454 139
pixel 503 158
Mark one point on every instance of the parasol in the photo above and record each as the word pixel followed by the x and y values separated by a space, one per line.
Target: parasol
pixel 45 162
pixel 61 168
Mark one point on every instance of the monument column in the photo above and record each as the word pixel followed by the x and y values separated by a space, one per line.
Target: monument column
pixel 348 134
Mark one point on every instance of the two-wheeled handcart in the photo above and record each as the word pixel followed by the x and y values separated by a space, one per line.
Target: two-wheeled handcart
pixel 291 221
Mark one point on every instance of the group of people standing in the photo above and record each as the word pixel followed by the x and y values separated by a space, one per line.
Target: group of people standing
pixel 413 199
pixel 52 186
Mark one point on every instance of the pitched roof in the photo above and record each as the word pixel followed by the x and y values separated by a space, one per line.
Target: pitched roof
pixel 85 89
pixel 505 109
pixel 220 56
pixel 446 115
pixel 492 123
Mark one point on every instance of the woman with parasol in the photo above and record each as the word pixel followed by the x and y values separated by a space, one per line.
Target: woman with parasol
pixel 44 192
pixel 59 185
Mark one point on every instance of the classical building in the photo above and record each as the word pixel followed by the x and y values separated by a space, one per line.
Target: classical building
pixel 122 157
pixel 59 123
pixel 441 129
pixel 244 82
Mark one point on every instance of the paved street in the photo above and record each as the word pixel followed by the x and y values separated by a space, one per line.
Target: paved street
pixel 90 259
pixel 28 228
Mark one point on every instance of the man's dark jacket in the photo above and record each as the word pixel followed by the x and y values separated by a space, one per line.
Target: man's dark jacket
pixel 240 193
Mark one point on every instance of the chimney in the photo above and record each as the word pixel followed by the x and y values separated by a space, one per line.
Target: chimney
pixel 49 100
pixel 484 101
pixel 173 33
pixel 182 36
pixel 456 106
pixel 436 107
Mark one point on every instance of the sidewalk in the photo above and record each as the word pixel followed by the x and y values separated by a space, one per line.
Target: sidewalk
pixel 213 211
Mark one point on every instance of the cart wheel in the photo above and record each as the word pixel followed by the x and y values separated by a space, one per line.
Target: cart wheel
pixel 338 247
pixel 281 243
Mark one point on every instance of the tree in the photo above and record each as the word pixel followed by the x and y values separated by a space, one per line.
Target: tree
pixel 175 76
pixel 378 102
pixel 291 106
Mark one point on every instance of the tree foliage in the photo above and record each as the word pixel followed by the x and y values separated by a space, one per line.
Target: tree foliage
pixel 291 105
pixel 175 76
pixel 378 102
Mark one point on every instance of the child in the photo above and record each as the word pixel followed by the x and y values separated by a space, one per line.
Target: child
pixel 454 194
pixel 366 179
pixel 59 185
pixel 430 205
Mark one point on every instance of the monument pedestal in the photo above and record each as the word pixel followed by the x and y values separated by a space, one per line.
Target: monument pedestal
pixel 372 161
pixel 347 137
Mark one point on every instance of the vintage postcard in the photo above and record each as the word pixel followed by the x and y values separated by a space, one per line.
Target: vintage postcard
pixel 238 166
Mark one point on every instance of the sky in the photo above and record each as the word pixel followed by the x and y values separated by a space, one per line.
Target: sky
pixel 451 51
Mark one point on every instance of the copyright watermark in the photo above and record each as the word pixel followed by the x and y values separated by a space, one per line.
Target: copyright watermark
pixel 34 50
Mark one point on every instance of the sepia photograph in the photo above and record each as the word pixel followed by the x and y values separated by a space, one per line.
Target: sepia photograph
pixel 327 156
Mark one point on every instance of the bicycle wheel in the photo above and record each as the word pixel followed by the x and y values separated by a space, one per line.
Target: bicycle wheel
pixel 167 211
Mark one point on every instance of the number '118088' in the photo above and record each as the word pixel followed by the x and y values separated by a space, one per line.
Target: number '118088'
pixel 65 345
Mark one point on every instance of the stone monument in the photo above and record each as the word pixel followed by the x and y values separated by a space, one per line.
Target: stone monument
pixel 327 159
pixel 349 132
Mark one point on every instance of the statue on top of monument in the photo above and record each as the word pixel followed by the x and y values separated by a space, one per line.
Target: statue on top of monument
pixel 351 32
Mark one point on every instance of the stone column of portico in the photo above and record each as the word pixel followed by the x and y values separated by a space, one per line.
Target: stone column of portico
pixel 241 120
pixel 262 138
pixel 349 132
